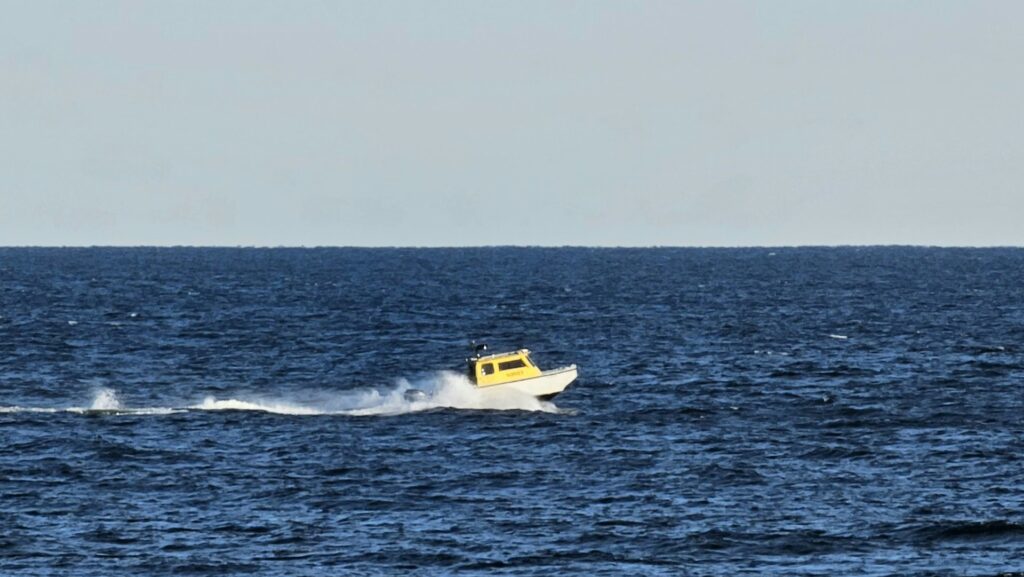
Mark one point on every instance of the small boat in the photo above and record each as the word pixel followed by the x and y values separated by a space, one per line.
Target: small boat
pixel 516 370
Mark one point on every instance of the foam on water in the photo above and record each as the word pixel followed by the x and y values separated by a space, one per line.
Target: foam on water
pixel 443 390
pixel 17 409
pixel 106 401
pixel 449 390
pixel 269 406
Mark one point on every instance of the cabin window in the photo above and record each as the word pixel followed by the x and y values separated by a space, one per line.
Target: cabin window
pixel 509 365
pixel 487 369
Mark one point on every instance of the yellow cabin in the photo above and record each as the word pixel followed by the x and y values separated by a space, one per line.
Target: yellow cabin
pixel 502 368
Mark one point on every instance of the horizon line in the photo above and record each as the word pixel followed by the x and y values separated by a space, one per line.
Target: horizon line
pixel 492 246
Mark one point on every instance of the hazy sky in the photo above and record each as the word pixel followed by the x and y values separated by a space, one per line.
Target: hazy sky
pixel 529 123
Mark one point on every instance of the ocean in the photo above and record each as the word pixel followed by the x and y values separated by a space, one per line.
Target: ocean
pixel 760 411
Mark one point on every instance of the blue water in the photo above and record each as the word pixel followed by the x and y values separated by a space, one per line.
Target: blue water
pixel 850 411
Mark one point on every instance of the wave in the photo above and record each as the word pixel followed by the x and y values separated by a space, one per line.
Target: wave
pixel 444 390
pixel 963 531
pixel 976 530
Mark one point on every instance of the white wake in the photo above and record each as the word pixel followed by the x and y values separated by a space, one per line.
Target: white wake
pixel 444 390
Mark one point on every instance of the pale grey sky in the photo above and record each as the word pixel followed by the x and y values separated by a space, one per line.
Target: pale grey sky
pixel 530 123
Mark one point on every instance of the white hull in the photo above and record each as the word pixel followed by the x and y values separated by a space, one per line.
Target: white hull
pixel 547 385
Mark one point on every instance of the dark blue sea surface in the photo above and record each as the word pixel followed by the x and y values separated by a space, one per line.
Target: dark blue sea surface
pixel 807 411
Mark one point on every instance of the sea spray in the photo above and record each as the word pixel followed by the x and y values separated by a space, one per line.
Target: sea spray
pixel 105 399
